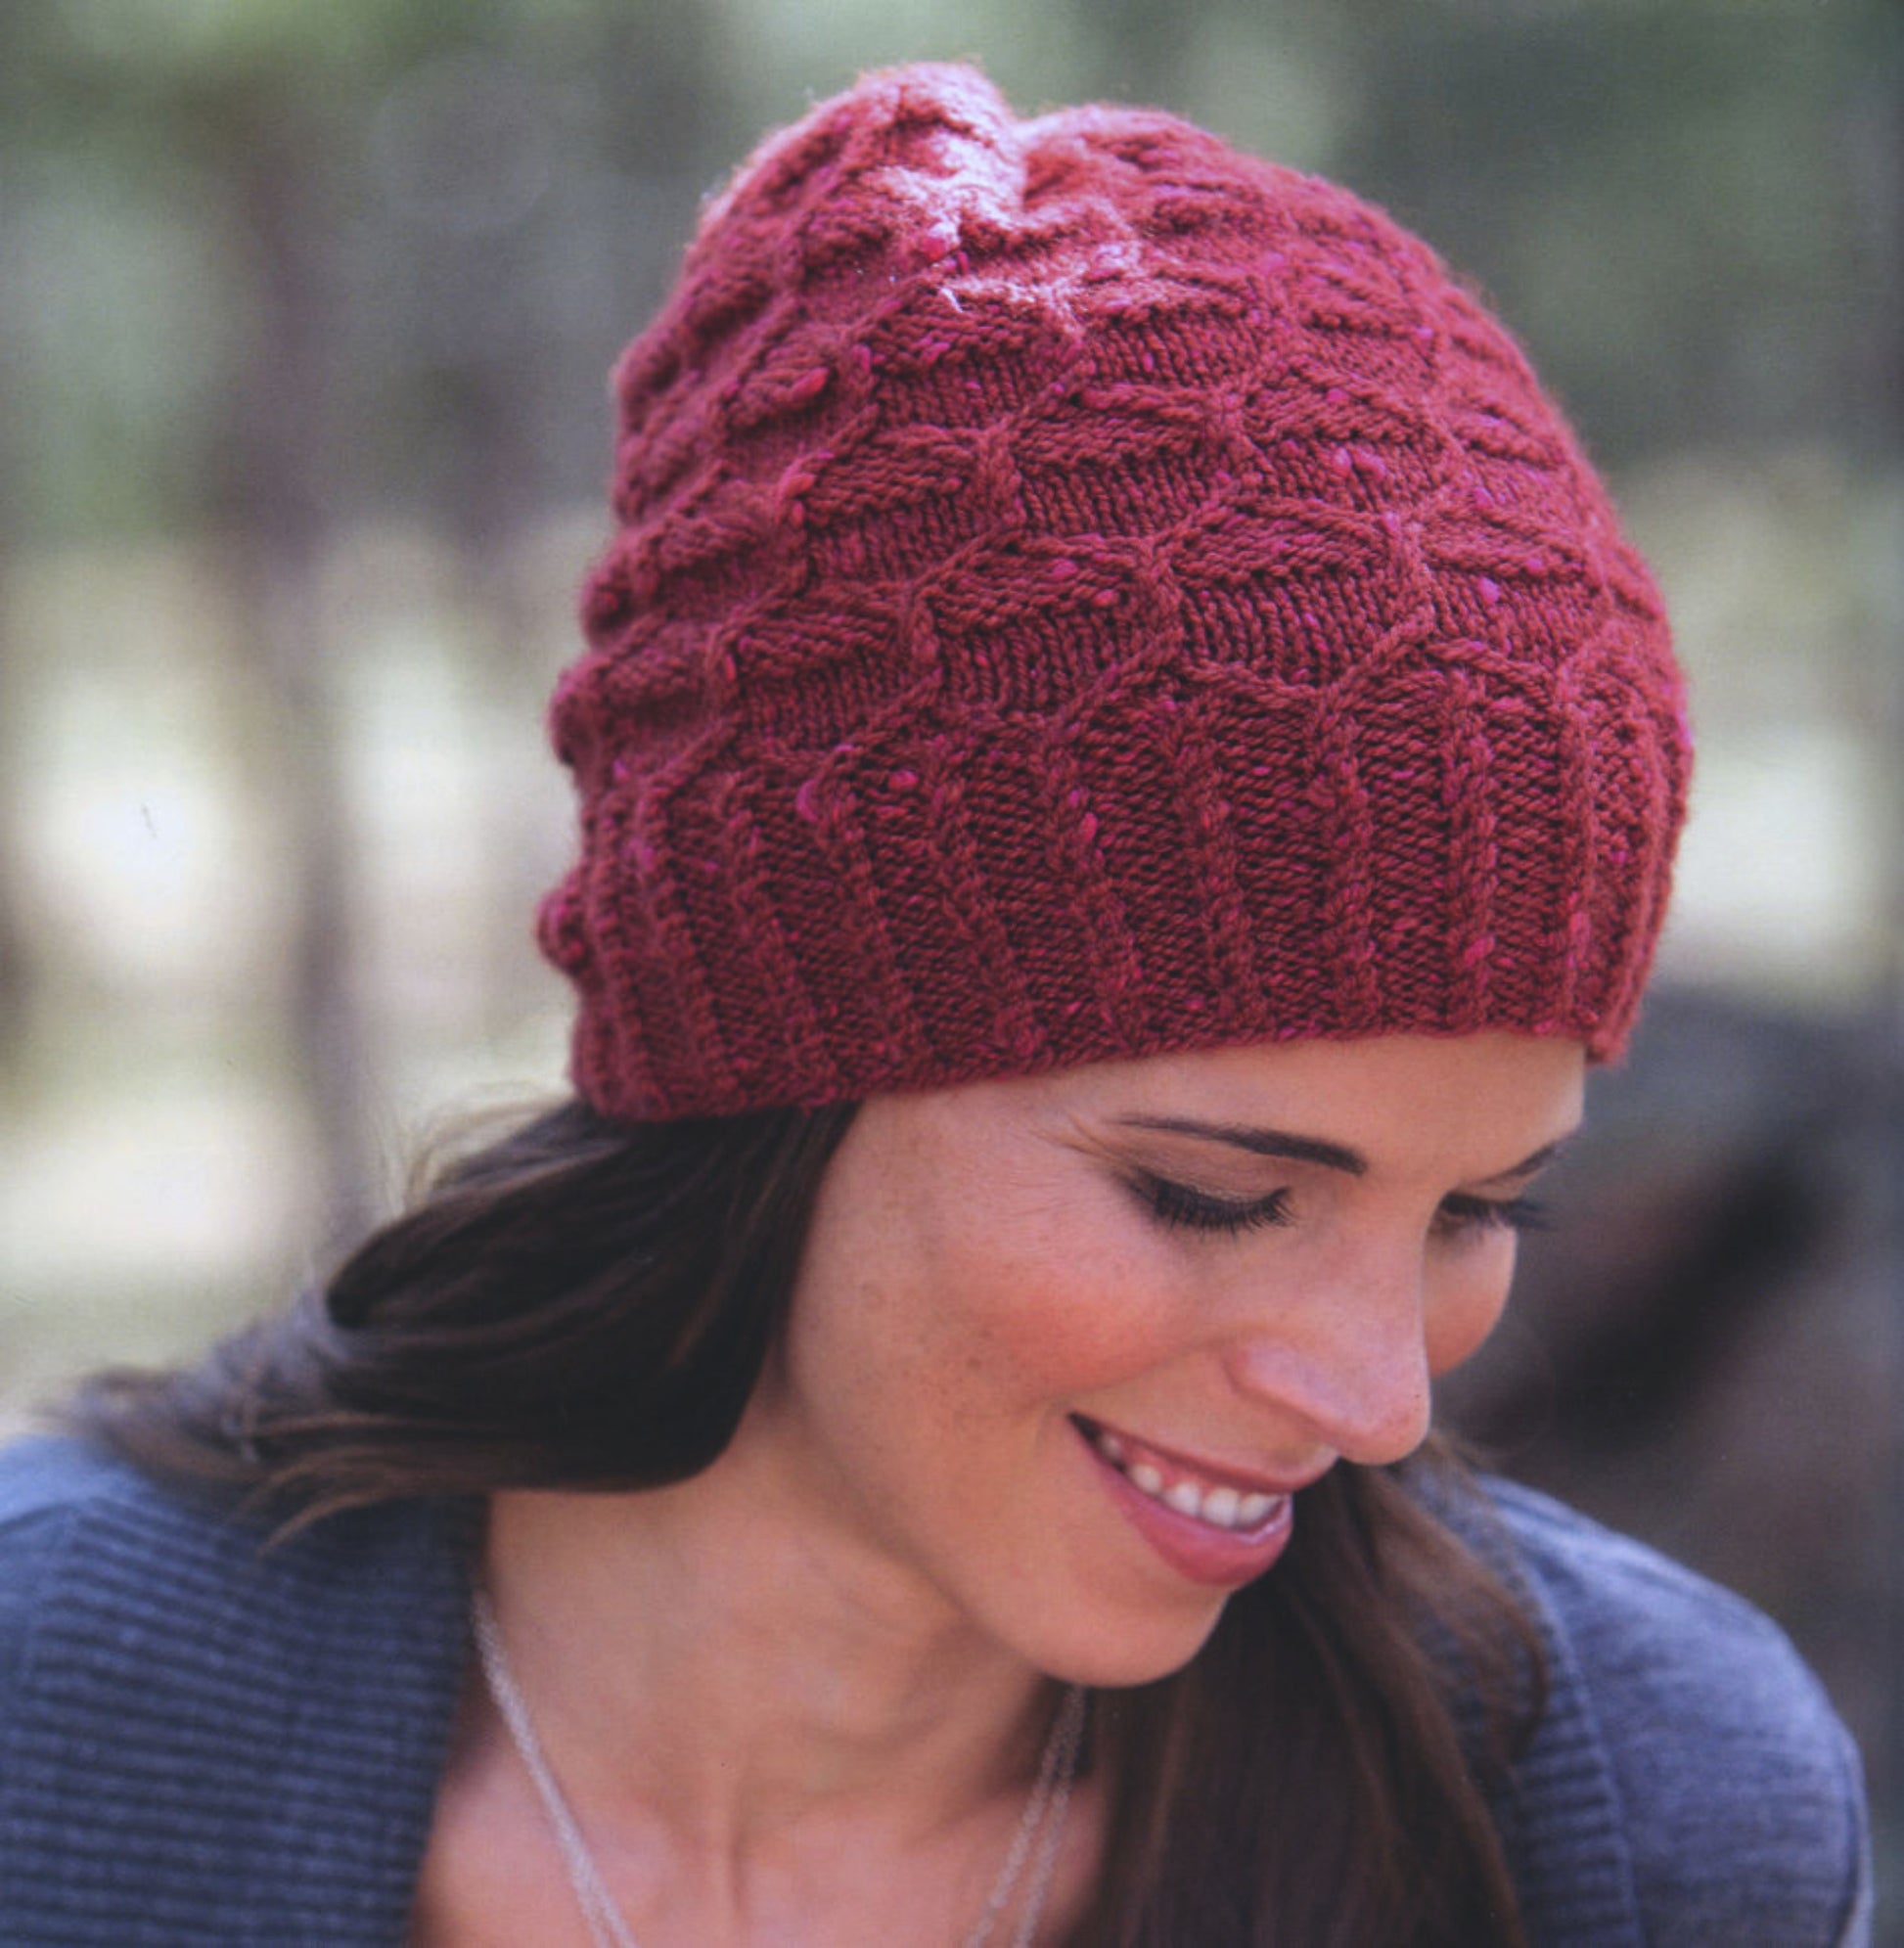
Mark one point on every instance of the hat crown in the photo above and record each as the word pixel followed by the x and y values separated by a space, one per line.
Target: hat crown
pixel 1079 591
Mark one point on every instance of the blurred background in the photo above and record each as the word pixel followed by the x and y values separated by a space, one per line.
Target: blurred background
pixel 304 326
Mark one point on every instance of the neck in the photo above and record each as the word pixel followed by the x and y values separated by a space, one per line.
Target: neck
pixel 690 1653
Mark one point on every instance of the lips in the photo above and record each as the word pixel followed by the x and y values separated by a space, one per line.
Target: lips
pixel 1210 1524
pixel 1223 1501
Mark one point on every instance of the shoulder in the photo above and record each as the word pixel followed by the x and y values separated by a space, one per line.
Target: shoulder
pixel 84 1532
pixel 297 1697
pixel 46 1487
pixel 96 1555
pixel 1739 1793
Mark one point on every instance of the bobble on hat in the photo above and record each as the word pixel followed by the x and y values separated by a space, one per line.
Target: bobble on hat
pixel 1080 592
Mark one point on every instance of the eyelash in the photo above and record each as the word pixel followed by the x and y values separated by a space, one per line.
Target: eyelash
pixel 1179 1207
pixel 1460 1214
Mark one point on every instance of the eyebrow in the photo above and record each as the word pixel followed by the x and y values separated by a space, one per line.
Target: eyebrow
pixel 1259 1142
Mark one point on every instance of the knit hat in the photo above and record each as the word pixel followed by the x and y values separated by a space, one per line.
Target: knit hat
pixel 1080 592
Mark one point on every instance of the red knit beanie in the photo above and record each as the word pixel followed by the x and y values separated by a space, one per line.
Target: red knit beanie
pixel 1080 592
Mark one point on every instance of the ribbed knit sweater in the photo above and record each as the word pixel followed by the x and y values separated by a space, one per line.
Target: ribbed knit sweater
pixel 208 1745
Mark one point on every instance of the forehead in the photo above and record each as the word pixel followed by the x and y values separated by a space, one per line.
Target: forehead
pixel 1473 1106
pixel 1369 1075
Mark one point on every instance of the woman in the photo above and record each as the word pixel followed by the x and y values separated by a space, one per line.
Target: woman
pixel 1125 773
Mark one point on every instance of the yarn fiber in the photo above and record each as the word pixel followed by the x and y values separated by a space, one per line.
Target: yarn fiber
pixel 1079 591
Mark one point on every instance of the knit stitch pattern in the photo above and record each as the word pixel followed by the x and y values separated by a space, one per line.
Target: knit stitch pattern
pixel 1077 592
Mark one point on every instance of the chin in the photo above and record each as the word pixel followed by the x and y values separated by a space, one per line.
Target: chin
pixel 1120 1653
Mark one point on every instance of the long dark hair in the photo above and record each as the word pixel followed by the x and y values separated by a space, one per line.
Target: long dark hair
pixel 586 1305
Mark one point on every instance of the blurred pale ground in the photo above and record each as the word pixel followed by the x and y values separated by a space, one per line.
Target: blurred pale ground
pixel 303 334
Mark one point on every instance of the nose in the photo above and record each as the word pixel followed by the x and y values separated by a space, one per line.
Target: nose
pixel 1344 1353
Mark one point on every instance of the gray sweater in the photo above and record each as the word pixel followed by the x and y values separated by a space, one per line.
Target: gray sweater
pixel 203 1745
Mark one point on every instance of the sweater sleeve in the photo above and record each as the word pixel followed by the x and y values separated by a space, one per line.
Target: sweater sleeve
pixel 29 1543
pixel 205 1742
pixel 1741 1792
pixel 41 1483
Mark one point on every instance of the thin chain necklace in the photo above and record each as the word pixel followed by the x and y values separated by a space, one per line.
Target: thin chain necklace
pixel 1040 1826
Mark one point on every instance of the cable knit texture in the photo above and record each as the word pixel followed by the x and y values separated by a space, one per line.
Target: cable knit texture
pixel 1078 592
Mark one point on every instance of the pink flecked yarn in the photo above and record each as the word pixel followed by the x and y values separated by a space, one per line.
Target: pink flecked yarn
pixel 1077 592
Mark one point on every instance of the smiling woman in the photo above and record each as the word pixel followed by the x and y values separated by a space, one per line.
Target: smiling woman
pixel 1126 772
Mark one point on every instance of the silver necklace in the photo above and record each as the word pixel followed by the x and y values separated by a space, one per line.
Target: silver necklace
pixel 1040 1826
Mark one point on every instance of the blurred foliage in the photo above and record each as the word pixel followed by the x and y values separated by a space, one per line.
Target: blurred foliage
pixel 1689 209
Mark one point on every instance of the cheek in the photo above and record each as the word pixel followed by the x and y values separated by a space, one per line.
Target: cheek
pixel 1049 1318
pixel 1468 1302
pixel 952 1278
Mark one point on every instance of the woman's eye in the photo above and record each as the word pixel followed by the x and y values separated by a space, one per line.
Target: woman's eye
pixel 1461 1215
pixel 1178 1205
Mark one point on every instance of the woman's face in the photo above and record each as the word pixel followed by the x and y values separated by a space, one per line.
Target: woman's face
pixel 1062 1349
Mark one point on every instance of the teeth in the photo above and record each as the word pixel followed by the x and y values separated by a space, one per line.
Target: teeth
pixel 1222 1506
